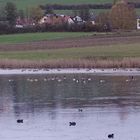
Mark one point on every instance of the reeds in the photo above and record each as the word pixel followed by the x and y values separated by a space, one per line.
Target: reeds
pixel 80 63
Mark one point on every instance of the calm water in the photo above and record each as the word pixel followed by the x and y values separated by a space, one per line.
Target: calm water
pixel 47 103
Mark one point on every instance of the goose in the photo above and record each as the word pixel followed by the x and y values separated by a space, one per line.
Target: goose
pixel 102 81
pixel 110 136
pixel 10 80
pixel 89 79
pixel 80 110
pixel 20 121
pixel 72 123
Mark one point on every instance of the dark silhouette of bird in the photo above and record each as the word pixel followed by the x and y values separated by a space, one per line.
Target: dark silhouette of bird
pixel 110 136
pixel 20 121
pixel 80 110
pixel 132 77
pixel 72 123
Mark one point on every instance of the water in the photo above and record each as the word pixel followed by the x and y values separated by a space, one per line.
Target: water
pixel 47 103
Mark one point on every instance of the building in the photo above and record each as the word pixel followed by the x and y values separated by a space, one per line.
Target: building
pixel 138 23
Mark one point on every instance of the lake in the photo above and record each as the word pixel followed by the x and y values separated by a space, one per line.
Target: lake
pixel 99 105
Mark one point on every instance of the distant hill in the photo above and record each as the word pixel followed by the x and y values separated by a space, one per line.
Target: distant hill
pixel 22 4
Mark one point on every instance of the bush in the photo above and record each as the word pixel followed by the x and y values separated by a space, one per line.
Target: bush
pixel 123 16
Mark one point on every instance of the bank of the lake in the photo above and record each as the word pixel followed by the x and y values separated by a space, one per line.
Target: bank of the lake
pixel 67 71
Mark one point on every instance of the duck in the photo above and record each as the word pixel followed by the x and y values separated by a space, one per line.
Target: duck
pixel 20 121
pixel 110 136
pixel 72 123
pixel 80 110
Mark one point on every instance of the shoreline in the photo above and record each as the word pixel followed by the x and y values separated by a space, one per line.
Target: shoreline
pixel 110 71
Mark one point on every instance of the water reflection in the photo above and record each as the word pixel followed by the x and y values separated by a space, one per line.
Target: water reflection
pixel 48 103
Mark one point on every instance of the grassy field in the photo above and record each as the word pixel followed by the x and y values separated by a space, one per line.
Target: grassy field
pixel 96 52
pixel 29 37
pixel 93 11
pixel 117 54
pixel 113 56
pixel 23 4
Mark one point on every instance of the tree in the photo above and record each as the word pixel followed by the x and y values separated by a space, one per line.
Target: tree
pixel 2 14
pixel 36 13
pixel 103 21
pixel 75 12
pixel 123 16
pixel 21 14
pixel 115 1
pixel 11 13
pixel 49 10
pixel 102 18
pixel 85 14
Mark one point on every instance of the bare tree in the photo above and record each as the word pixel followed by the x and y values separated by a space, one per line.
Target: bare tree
pixel 36 13
pixel 123 16
pixel 103 21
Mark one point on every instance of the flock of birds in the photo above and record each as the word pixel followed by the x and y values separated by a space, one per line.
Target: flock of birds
pixel 110 136
pixel 58 79
pixel 83 80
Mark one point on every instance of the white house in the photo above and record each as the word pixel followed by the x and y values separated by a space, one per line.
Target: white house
pixel 138 23
pixel 54 19
pixel 70 21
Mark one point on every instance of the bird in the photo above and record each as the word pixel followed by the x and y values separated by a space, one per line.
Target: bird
pixel 72 123
pixel 10 80
pixel 77 81
pixel 23 70
pixel 45 79
pixel 64 77
pixel 74 79
pixel 89 79
pixel 84 82
pixel 110 136
pixel 102 81
pixel 36 80
pixel 59 80
pixel 20 121
pixel 80 110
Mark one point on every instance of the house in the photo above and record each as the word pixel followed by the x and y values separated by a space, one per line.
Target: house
pixel 56 19
pixel 78 20
pixel 138 23
pixel 20 23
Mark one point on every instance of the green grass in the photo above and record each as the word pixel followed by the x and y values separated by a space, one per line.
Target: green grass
pixel 95 12
pixel 23 4
pixel 29 37
pixel 112 51
pixel 138 11
pixel 70 12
